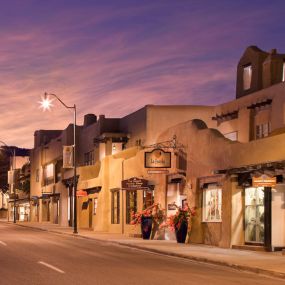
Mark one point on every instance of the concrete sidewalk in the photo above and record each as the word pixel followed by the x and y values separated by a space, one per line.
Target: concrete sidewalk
pixel 268 263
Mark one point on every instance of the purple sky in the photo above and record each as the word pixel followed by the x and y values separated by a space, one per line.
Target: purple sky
pixel 114 57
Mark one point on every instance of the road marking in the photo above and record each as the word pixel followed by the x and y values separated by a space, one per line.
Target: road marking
pixel 3 243
pixel 51 266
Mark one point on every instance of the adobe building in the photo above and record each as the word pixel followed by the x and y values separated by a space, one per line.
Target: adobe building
pixel 227 160
pixel 97 138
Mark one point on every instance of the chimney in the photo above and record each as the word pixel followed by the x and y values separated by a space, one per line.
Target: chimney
pixel 89 119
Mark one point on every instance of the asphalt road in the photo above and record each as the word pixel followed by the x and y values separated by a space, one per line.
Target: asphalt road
pixel 30 256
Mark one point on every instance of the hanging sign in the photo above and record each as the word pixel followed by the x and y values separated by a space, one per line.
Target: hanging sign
pixel 134 183
pixel 67 156
pixel 157 158
pixel 263 181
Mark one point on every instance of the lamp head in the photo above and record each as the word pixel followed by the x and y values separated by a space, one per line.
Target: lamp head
pixel 46 102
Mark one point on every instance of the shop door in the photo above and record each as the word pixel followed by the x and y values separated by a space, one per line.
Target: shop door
pixel 254 215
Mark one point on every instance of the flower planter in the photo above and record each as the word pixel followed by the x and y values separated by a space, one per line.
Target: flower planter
pixel 181 231
pixel 146 225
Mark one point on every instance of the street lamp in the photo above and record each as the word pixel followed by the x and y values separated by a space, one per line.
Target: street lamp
pixel 46 104
pixel 12 168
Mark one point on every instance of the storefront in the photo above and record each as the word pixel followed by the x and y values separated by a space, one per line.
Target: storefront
pixel 263 209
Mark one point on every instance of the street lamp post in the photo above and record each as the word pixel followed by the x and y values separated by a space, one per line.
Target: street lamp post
pixel 14 189
pixel 46 103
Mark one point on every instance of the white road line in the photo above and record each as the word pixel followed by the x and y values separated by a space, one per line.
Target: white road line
pixel 3 243
pixel 51 266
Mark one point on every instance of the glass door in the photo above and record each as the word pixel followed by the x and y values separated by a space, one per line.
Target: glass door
pixel 254 215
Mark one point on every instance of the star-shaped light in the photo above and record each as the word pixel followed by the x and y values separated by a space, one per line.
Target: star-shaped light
pixel 46 103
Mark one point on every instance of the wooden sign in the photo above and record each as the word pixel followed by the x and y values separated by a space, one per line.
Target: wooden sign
pixel 263 181
pixel 134 183
pixel 157 158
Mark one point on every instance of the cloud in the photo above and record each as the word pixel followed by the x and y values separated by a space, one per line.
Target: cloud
pixel 113 58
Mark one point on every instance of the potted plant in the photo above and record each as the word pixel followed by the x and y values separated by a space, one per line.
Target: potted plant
pixel 180 222
pixel 149 219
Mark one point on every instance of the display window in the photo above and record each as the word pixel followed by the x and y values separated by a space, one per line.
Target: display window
pixel 212 204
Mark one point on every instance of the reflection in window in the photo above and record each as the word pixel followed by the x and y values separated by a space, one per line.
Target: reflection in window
pixel 283 72
pixel 247 74
pixel 212 204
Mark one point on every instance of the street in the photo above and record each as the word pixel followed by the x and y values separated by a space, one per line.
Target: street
pixel 30 256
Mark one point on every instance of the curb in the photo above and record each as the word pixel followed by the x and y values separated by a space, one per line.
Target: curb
pixel 166 253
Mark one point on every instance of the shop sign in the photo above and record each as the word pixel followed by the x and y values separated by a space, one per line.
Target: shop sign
pixel 157 158
pixel 67 156
pixel 263 181
pixel 134 183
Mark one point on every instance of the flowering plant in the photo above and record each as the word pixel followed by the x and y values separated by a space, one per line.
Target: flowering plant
pixel 154 211
pixel 182 215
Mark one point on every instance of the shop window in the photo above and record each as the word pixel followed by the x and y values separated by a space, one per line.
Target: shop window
pixel 247 75
pixel 115 207
pixel 262 130
pixel 131 205
pixel 148 198
pixel 233 136
pixel 212 204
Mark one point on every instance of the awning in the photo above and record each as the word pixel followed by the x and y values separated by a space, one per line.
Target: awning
pixel 81 193
pixel 206 180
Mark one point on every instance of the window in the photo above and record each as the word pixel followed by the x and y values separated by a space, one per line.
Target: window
pixel 48 174
pixel 148 198
pixel 262 130
pixel 131 205
pixel 89 158
pixel 283 72
pixel 115 207
pixel 212 204
pixel 247 74
pixel 233 136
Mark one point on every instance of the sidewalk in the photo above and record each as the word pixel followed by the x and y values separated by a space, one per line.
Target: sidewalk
pixel 268 263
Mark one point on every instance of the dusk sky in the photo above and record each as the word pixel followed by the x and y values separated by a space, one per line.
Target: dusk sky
pixel 114 57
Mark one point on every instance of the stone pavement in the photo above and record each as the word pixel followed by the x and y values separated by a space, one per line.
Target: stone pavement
pixel 268 263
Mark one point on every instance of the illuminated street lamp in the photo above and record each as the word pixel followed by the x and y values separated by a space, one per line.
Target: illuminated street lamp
pixel 12 168
pixel 46 104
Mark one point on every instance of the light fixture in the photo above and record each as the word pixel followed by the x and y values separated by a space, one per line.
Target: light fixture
pixel 46 103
